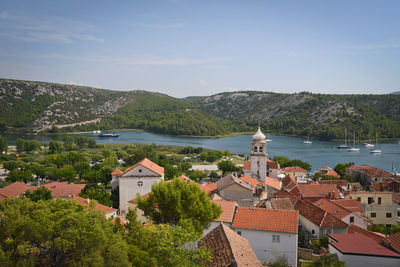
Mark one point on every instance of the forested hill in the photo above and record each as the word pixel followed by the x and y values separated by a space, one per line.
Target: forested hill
pixel 27 106
pixel 325 116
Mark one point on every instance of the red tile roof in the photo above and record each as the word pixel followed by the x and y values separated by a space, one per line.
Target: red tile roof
pixel 317 215
pixel 15 189
pixel 59 189
pixel 149 165
pixel 228 210
pixel 282 204
pixel 184 177
pixel 370 171
pixel 229 249
pixel 142 197
pixel 317 190
pixel 274 183
pixel 272 164
pixel 86 202
pixel 293 169
pixel 332 208
pixel 353 229
pixel 251 181
pixel 349 204
pixel 333 173
pixel 289 181
pixel 285 194
pixel 209 187
pixel 360 244
pixel 246 166
pixel 341 182
pixel 116 172
pixel 266 219
pixel 394 241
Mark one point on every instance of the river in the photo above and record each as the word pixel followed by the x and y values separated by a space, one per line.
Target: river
pixel 318 154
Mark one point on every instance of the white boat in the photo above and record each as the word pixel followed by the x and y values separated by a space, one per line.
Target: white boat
pixel 369 141
pixel 345 146
pixel 353 148
pixel 268 139
pixel 376 150
pixel 308 139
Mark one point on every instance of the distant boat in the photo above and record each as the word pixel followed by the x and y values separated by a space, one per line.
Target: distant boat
pixel 108 135
pixel 376 151
pixel 97 131
pixel 308 139
pixel 353 148
pixel 268 139
pixel 345 146
pixel 369 141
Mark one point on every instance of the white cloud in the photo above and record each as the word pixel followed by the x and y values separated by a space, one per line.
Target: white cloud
pixel 46 29
pixel 203 82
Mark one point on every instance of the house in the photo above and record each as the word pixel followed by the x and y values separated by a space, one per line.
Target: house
pixel 289 182
pixel 353 229
pixel 108 211
pixel 227 215
pixel 273 185
pixel 341 213
pixel 136 179
pixel 358 250
pixel 328 171
pixel 209 188
pixel 389 186
pixel 296 171
pixel 314 191
pixel 368 175
pixel 273 169
pixel 228 248
pixel 235 189
pixel 64 190
pixel 15 189
pixel 350 204
pixel 271 233
pixel 276 204
pixel 378 206
pixel 316 221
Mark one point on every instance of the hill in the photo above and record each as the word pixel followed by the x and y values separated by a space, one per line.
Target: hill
pixel 325 116
pixel 27 106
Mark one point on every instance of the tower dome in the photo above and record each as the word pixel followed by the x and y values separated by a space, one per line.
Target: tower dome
pixel 259 135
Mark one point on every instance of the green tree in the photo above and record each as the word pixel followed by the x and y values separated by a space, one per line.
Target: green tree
pixel 42 193
pixel 67 172
pixel 96 192
pixel 341 168
pixel 3 145
pixel 58 233
pixel 81 168
pixel 55 147
pixel 177 200
pixel 115 197
pixel 329 260
pixel 10 165
pixel 227 166
pixel 17 175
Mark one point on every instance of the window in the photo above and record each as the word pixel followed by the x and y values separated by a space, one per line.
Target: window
pixel 359 199
pixel 140 170
pixel 261 149
pixel 379 200
pixel 373 214
pixel 239 232
pixel 313 232
pixel 388 215
pixel 255 149
pixel 370 200
pixel 352 219
pixel 276 238
pixel 140 183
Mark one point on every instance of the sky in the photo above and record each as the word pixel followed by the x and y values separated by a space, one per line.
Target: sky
pixel 196 48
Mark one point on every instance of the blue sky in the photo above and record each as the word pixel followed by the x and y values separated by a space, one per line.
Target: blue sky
pixel 185 48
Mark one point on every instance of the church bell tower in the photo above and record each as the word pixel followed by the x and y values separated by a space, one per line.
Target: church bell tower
pixel 258 156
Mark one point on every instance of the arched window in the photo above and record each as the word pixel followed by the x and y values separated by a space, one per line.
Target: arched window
pixel 261 149
pixel 255 149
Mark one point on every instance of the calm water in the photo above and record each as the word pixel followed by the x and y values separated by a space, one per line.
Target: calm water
pixel 318 154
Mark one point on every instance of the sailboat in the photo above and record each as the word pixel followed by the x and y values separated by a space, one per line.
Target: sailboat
pixel 308 139
pixel 353 148
pixel 345 146
pixel 376 151
pixel 369 141
pixel 268 139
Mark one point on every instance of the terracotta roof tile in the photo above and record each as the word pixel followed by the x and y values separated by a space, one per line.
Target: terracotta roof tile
pixel 228 210
pixel 371 171
pixel 349 204
pixel 229 249
pixel 251 181
pixel 285 194
pixel 333 173
pixel 59 189
pixel 317 190
pixel 116 172
pixel 266 219
pixel 293 169
pixel 149 165
pixel 282 204
pixel 272 164
pixel 353 229
pixel 135 199
pixel 86 202
pixel 209 187
pixel 15 189
pixel 394 241
pixel 289 181
pixel 360 244
pixel 274 183
pixel 332 208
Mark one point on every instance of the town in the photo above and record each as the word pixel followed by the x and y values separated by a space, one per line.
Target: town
pixel 269 215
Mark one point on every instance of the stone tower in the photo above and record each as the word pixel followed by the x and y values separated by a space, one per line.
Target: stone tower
pixel 258 156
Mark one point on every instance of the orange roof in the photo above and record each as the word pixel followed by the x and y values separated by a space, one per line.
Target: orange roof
pixel 86 202
pixel 272 164
pixel 184 177
pixel 142 197
pixel 266 219
pixel 246 166
pixel 332 208
pixel 209 187
pixel 251 181
pixel 317 190
pixel 353 229
pixel 229 249
pixel 289 181
pixel 116 172
pixel 228 210
pixel 60 189
pixel 293 169
pixel 326 168
pixel 394 241
pixel 15 189
pixel 273 183
pixel 370 171
pixel 333 173
pixel 349 204
pixel 149 165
